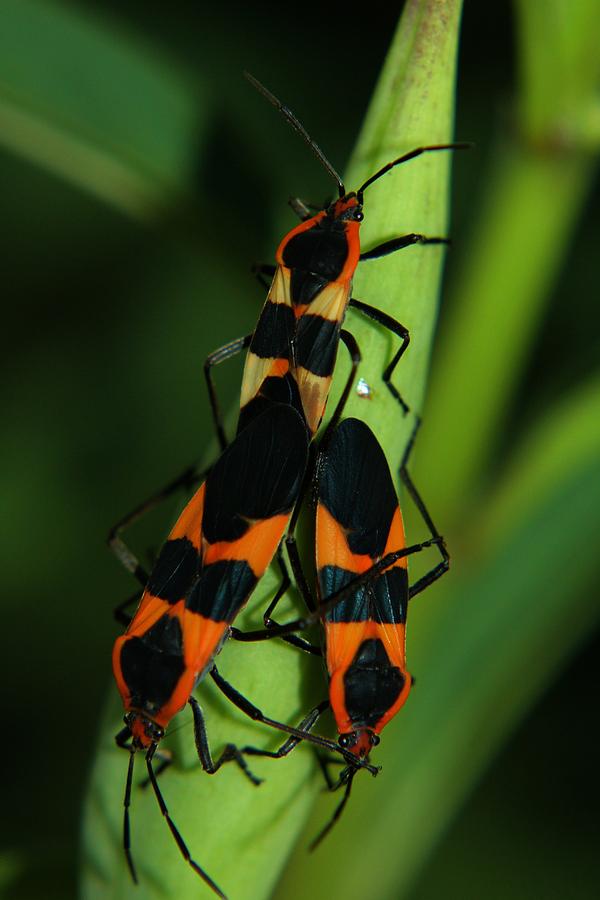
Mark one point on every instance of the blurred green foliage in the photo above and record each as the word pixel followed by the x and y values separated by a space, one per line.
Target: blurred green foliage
pixel 125 266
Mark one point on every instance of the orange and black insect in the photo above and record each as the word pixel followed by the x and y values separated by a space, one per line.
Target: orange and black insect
pixel 219 548
pixel 363 589
pixel 293 349
pixel 358 524
pixel 213 558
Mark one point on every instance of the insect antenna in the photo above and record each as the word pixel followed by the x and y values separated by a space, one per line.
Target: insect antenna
pixel 289 116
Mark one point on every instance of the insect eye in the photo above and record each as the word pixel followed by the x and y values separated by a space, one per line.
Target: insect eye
pixel 359 216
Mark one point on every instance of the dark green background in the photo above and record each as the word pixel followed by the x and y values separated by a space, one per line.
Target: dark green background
pixel 106 326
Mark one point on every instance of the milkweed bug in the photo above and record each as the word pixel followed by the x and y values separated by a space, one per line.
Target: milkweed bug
pixel 358 523
pixel 220 546
pixel 363 589
pixel 292 351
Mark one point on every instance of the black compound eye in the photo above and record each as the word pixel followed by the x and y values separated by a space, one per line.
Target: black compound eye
pixel 347 740
pixel 375 739
pixel 359 216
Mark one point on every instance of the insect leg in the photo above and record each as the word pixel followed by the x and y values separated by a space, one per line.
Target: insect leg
pixel 124 618
pixel 254 713
pixel 213 359
pixel 305 725
pixel 399 243
pixel 396 328
pixel 351 587
pixel 442 567
pixel 229 754
pixel 126 557
pixel 263 271
pixel 346 777
pixel 269 622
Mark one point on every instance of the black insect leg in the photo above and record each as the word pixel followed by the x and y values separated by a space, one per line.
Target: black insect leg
pixel 355 357
pixel 119 612
pixel 346 778
pixel 269 622
pixel 267 616
pixel 305 210
pixel 187 479
pixel 399 243
pixel 213 359
pixel 256 715
pixel 229 754
pixel 301 209
pixel 264 271
pixel 442 567
pixel 396 328
pixel 305 725
pixel 350 588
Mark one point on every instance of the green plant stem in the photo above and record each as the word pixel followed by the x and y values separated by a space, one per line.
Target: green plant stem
pixel 413 106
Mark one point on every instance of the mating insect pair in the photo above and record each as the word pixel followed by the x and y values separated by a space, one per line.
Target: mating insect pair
pixel 227 535
pixel 197 588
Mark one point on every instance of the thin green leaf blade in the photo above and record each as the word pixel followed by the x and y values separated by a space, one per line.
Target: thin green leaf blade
pixel 96 107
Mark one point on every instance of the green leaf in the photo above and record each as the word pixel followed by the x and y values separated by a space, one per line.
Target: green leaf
pixel 413 106
pixel 535 190
pixel 560 70
pixel 97 108
pixel 243 835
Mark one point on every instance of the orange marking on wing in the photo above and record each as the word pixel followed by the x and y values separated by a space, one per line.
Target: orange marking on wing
pixel 343 640
pixel 178 699
pixel 257 547
pixel 202 639
pixel 393 637
pixel 397 539
pixel 314 390
pixel 332 546
pixel 150 610
pixel 189 523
